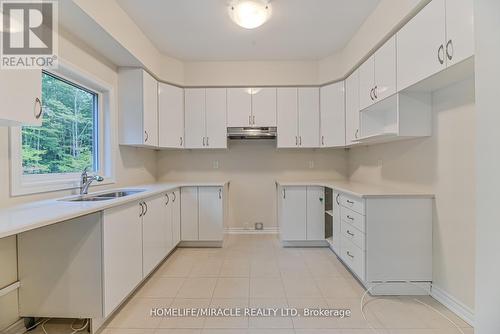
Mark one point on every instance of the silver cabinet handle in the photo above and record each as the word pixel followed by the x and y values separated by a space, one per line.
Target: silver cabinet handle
pixel 207 141
pixel 175 197
pixel 296 141
pixel 181 142
pixel 323 140
pixel 441 51
pixel 356 134
pixel 220 193
pixel 146 208
pixel 203 141
pixel 249 119
pixel 349 217
pixel 337 199
pixel 146 136
pixel 375 92
pixel 350 255
pixel 448 53
pixel 350 202
pixel 371 94
pixel 38 108
pixel 351 234
pixel 253 120
pixel 142 210
pixel 284 193
pixel 168 199
pixel 300 140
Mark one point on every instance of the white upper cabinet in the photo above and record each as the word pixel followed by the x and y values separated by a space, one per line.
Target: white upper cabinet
pixel 352 108
pixel 205 117
pixel 216 127
pixel 459 30
pixel 421 45
pixel 138 105
pixel 251 107
pixel 239 107
pixel 170 116
pixel 377 75
pixel 332 112
pixel 287 117
pixel 308 117
pixel 264 107
pixel 21 95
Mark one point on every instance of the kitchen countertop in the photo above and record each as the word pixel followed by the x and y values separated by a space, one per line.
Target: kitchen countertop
pixel 29 216
pixel 362 190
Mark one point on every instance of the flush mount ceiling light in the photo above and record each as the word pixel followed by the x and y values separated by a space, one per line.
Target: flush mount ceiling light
pixel 250 14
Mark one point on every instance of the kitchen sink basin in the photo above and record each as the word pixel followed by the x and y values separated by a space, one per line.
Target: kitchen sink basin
pixel 105 196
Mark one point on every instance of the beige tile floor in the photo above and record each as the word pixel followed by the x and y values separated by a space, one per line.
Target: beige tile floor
pixel 255 271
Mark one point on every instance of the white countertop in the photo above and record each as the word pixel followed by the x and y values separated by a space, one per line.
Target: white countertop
pixel 357 189
pixel 25 217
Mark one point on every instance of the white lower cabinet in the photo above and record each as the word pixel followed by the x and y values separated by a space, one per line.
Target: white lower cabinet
pixel 175 204
pixel 336 226
pixel 155 233
pixel 202 213
pixel 301 213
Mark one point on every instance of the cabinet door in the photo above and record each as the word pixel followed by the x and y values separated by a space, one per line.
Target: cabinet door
pixel 195 118
pixel 19 91
pixel 150 109
pixel 336 223
pixel 287 117
pixel 308 101
pixel 332 111
pixel 459 30
pixel 122 248
pixel 170 116
pixel 239 107
pixel 176 217
pixel 154 234
pixel 293 213
pixel 211 222
pixel 189 214
pixel 315 213
pixel 352 108
pixel 421 44
pixel 263 107
pixel 366 83
pixel 385 70
pixel 216 118
pixel 168 219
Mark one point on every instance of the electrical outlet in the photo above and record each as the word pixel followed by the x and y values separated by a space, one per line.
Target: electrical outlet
pixel 311 164
pixel 215 164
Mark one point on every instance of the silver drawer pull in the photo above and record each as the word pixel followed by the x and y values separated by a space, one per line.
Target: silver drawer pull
pixel 349 217
pixel 350 255
pixel 351 234
pixel 350 202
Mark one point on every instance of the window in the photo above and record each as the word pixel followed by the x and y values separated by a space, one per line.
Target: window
pixel 67 140
pixel 77 132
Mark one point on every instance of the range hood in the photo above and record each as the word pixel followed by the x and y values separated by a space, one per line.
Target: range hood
pixel 252 133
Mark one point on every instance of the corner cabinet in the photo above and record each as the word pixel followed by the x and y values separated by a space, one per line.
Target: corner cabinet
pixel 21 95
pixel 138 106
pixel 298 117
pixel 205 118
pixel 170 116
pixel 332 115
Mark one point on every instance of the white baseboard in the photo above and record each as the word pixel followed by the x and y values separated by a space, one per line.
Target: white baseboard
pixel 454 305
pixel 242 230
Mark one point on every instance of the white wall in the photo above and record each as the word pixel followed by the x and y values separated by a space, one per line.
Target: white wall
pixel 133 166
pixel 252 168
pixel 487 27
pixel 444 165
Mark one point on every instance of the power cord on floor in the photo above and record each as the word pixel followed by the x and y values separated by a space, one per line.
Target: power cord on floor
pixel 43 322
pixel 362 305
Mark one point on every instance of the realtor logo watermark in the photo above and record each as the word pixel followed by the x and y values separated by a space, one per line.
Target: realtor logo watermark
pixel 29 34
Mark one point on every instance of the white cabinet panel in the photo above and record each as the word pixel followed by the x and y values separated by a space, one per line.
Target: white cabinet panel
pixel 336 223
pixel 459 30
pixel 122 242
pixel 170 116
pixel 167 218
pixel 239 107
pixel 293 215
pixel 352 108
pixel 175 198
pixel 287 117
pixel 421 45
pixel 21 94
pixel 150 115
pixel 154 233
pixel 210 214
pixel 308 102
pixel 366 83
pixel 189 214
pixel 195 117
pixel 216 128
pixel 385 70
pixel 263 107
pixel 315 213
pixel 332 111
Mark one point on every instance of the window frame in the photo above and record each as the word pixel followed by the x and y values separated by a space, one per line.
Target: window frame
pixel 22 184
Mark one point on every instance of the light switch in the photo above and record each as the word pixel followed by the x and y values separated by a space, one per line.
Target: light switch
pixel 311 164
pixel 215 164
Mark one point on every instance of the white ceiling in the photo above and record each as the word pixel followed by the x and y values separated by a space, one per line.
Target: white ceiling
pixel 202 29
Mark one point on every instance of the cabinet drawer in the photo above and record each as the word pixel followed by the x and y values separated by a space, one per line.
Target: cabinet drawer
pixel 353 218
pixel 353 203
pixel 353 257
pixel 352 233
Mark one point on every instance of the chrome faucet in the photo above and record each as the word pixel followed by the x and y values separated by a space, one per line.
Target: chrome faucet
pixel 86 180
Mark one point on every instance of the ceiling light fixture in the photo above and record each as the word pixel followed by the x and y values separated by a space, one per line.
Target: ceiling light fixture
pixel 250 14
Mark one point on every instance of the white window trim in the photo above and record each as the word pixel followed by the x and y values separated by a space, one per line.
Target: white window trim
pixel 39 183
